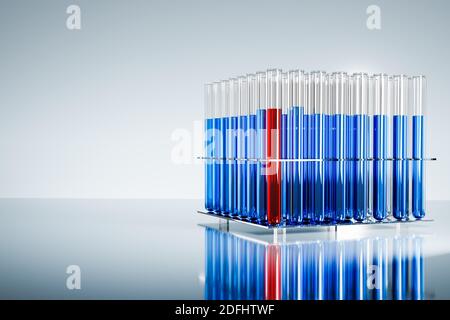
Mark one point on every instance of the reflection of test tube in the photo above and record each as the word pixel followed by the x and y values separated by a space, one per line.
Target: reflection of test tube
pixel 209 148
pixel 232 146
pixel 339 103
pixel 251 147
pixel 379 145
pixel 399 268
pixel 417 270
pixel 273 144
pixel 319 97
pixel 273 272
pixel 223 114
pixel 359 105
pixel 261 184
pixel 400 165
pixel 418 146
pixel 242 143
pixel 285 146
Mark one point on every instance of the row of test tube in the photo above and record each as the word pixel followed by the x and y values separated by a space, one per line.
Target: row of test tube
pixel 300 148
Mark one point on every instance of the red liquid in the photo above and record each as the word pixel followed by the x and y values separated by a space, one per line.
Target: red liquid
pixel 273 169
pixel 273 273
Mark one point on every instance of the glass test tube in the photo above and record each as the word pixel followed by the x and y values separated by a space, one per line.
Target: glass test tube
pixel 359 104
pixel 216 113
pixel 285 147
pixel 339 104
pixel 223 114
pixel 319 97
pixel 308 142
pixel 232 146
pixel 261 184
pixel 400 177
pixel 251 147
pixel 209 148
pixel 418 145
pixel 273 146
pixel 328 163
pixel 379 115
pixel 296 125
pixel 242 147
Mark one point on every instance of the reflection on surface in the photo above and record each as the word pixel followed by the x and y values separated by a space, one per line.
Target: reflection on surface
pixel 370 268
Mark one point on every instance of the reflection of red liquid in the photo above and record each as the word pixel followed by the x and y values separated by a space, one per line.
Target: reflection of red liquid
pixel 273 169
pixel 273 273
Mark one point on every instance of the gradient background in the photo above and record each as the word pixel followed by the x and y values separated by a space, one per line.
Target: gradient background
pixel 92 113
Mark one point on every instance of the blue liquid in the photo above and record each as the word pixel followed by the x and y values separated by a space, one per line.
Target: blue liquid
pixel 349 168
pixel 356 168
pixel 418 198
pixel 285 177
pixel 242 146
pixel 306 168
pixel 223 167
pixel 400 169
pixel 379 167
pixel 361 149
pixel 296 124
pixel 251 168
pixel 261 185
pixel 209 164
pixel 232 165
pixel 330 169
pixel 339 173
pixel 217 165
pixel 318 177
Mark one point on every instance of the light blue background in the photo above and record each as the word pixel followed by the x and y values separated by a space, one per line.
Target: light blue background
pixel 90 113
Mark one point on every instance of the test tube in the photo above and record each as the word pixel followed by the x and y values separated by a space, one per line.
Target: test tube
pixel 261 184
pixel 307 151
pixel 296 125
pixel 339 105
pixel 273 146
pixel 319 96
pixel 379 115
pixel 400 176
pixel 251 147
pixel 328 154
pixel 223 114
pixel 232 146
pixel 217 107
pixel 359 104
pixel 418 145
pixel 209 148
pixel 242 143
pixel 285 147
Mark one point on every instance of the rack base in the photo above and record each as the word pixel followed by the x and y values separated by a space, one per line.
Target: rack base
pixel 369 221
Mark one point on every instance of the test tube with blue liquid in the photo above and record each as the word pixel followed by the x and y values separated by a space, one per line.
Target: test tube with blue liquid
pixel 223 112
pixel 242 147
pixel 261 184
pixel 252 165
pixel 359 105
pixel 400 174
pixel 379 116
pixel 232 146
pixel 285 148
pixel 307 151
pixel 209 148
pixel 296 134
pixel 319 96
pixel 339 101
pixel 418 91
